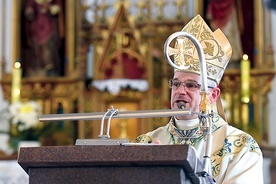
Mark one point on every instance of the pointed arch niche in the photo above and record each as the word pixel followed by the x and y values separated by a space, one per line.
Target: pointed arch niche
pixel 120 76
pixel 123 70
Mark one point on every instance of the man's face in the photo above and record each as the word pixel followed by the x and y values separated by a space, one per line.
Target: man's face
pixel 191 97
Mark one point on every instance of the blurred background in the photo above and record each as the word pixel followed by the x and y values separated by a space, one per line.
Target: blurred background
pixel 77 56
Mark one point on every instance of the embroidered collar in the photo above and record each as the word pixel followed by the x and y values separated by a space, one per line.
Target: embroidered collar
pixel 191 136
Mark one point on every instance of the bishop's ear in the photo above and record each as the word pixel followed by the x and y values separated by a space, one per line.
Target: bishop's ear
pixel 214 94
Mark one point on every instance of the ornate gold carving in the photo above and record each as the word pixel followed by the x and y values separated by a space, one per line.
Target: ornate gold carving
pixel 260 85
pixel 179 6
pixel 160 6
pixel 124 94
pixel 141 5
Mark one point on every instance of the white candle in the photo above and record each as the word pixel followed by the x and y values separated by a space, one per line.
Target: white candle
pixel 245 79
pixel 16 81
pixel 89 62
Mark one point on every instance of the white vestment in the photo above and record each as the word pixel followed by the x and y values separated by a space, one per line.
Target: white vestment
pixel 236 157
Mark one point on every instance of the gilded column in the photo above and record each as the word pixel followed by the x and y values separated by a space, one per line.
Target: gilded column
pixel 15 54
pixel 15 27
pixel 70 35
pixel 259 32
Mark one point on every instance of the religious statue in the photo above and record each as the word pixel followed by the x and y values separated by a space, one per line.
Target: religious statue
pixel 44 33
pixel 227 15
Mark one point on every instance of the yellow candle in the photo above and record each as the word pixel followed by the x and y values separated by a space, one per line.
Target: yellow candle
pixel 245 79
pixel 16 82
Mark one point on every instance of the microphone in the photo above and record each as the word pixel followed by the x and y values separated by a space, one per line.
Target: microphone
pixel 181 105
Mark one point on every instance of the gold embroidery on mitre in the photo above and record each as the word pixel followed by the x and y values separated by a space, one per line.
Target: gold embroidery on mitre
pixel 217 50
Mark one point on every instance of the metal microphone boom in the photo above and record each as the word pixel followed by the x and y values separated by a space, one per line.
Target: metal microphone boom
pixel 119 114
pixel 112 113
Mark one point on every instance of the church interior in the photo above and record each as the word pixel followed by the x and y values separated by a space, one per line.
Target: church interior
pixel 91 56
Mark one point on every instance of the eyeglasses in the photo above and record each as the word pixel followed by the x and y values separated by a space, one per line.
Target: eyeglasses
pixel 189 85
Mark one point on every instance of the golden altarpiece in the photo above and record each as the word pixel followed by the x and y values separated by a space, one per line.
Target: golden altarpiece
pixel 128 49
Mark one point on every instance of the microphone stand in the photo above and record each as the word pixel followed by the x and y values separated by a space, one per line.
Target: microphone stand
pixel 104 139
pixel 119 114
pixel 205 118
